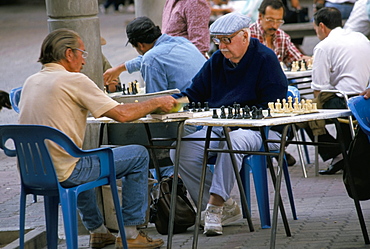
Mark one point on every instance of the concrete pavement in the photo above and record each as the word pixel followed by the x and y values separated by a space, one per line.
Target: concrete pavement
pixel 326 215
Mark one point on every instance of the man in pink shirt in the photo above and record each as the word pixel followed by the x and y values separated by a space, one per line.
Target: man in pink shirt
pixel 188 19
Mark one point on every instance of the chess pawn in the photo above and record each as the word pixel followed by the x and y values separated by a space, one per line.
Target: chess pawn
pixel 229 112
pixel 309 105
pixel 294 66
pixel 214 113
pixel 303 66
pixel 271 106
pixel 286 108
pixel 278 107
pixel 295 107
pixel 314 107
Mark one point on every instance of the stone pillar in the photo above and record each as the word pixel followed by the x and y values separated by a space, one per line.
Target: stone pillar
pixel 80 16
pixel 150 8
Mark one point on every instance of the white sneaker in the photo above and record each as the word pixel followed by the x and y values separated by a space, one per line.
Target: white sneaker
pixel 213 216
pixel 230 213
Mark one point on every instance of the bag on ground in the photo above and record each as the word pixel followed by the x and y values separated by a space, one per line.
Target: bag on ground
pixel 160 207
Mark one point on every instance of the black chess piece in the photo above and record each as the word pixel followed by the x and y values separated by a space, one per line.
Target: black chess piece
pixel 200 107
pixel 247 112
pixel 223 114
pixel 237 115
pixel 128 91
pixel 254 112
pixel 214 113
pixel 235 110
pixel 230 112
pixel 259 114
pixel 193 107
pixel 186 108
pixel 206 106
pixel 123 89
pixel 269 113
pixel 134 87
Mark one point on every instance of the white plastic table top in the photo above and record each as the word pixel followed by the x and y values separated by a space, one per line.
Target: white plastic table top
pixel 321 114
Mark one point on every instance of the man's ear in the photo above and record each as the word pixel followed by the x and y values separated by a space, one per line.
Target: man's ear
pixel 140 46
pixel 69 54
pixel 260 16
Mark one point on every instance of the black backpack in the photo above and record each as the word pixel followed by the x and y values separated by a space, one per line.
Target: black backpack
pixel 359 163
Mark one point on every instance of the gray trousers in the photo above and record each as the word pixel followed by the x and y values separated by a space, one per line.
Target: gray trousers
pixel 222 180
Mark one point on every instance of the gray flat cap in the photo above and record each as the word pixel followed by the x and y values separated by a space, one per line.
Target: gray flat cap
pixel 229 24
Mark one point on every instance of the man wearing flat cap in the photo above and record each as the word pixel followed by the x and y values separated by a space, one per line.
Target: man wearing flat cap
pixel 165 62
pixel 242 71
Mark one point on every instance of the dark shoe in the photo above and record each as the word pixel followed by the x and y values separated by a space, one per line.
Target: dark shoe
pixel 290 159
pixel 142 241
pixel 100 240
pixel 333 168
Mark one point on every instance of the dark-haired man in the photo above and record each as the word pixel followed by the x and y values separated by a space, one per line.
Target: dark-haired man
pixel 267 31
pixel 341 63
pixel 165 62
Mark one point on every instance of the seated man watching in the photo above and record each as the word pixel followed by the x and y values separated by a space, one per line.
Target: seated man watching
pixel 267 31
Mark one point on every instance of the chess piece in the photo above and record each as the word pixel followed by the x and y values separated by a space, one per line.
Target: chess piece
pixel 223 114
pixel 230 112
pixel 303 65
pixel 214 113
pixel 247 112
pixel 200 107
pixel 238 116
pixel 193 107
pixel 259 114
pixel 123 89
pixel 269 113
pixel 206 106
pixel 254 112
pixel 128 90
pixel 186 108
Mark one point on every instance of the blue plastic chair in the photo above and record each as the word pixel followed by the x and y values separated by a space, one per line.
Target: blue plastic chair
pixel 15 96
pixel 360 108
pixel 38 177
pixel 257 165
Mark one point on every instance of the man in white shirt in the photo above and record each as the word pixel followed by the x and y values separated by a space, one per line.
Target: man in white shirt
pixel 341 62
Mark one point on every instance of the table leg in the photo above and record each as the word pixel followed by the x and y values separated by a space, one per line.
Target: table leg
pixel 180 129
pixel 201 187
pixel 277 199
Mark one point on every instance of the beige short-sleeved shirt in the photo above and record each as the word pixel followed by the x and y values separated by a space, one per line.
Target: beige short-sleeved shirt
pixel 62 99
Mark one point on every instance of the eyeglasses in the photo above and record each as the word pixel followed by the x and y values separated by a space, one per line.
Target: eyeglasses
pixel 273 21
pixel 84 53
pixel 225 40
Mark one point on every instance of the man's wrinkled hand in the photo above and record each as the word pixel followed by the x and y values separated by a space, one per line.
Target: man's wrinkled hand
pixel 366 93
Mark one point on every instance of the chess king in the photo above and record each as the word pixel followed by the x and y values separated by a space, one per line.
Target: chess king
pixel 242 71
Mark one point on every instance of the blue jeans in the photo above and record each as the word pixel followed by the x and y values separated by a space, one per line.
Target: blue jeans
pixel 132 162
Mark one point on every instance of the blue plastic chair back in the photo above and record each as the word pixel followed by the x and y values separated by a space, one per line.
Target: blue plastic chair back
pixel 293 92
pixel 360 108
pixel 15 96
pixel 38 177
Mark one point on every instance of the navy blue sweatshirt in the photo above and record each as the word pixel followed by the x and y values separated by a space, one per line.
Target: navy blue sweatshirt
pixel 256 80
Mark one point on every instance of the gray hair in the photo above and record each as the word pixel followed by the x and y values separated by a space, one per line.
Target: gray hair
pixel 56 43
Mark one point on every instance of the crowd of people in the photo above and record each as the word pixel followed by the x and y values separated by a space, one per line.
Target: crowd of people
pixel 245 69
